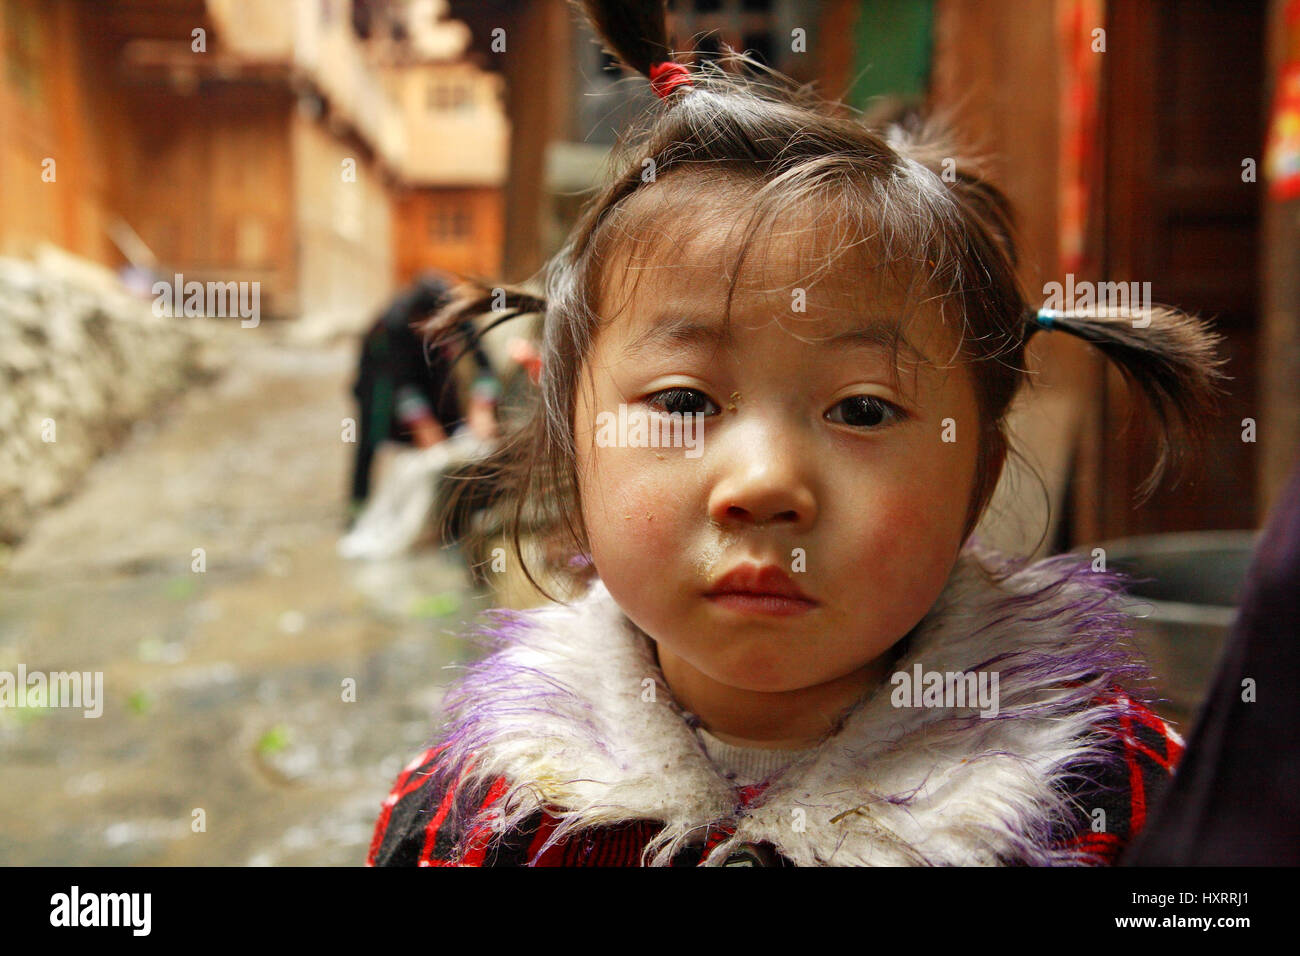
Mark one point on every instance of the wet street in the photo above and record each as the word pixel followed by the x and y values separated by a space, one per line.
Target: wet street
pixel 255 711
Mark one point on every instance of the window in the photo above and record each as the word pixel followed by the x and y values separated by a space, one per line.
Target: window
pixel 450 224
pixel 444 95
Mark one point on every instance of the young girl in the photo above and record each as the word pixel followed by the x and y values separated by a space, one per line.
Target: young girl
pixel 785 647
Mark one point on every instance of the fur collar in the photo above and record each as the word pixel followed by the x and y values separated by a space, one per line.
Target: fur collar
pixel 558 709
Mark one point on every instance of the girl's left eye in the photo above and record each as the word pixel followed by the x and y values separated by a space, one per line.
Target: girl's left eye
pixel 864 411
pixel 683 400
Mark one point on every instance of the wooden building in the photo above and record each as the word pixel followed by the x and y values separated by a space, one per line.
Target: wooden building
pixel 225 140
pixel 56 139
pixel 326 149
pixel 449 205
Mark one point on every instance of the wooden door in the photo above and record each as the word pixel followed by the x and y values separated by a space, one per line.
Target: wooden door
pixel 1184 88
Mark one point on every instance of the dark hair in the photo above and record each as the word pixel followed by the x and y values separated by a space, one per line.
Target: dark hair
pixel 927 219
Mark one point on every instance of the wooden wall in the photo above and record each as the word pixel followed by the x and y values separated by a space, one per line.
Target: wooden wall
pixel 210 160
pixel 47 85
pixel 343 229
pixel 1279 341
pixel 422 238
pixel 1181 105
pixel 206 181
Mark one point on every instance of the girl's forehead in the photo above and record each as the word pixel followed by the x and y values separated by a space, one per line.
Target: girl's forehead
pixel 693 250
pixel 670 308
pixel 717 239
pixel 717 260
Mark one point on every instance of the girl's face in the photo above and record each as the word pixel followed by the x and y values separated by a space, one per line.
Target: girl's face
pixel 809 460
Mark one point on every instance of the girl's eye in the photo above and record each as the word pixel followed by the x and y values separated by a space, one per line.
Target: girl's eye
pixel 687 401
pixel 864 411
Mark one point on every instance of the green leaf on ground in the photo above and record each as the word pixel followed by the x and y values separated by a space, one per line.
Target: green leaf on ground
pixel 181 588
pixel 436 605
pixel 274 740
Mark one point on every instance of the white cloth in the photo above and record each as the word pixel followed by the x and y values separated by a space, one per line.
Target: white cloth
pixel 399 508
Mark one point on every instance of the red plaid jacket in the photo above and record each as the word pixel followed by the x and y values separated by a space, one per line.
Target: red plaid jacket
pixel 416 824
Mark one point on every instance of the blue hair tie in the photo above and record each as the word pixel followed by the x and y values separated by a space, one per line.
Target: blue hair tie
pixel 1046 318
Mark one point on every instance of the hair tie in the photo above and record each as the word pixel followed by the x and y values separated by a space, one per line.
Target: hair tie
pixel 666 77
pixel 1046 318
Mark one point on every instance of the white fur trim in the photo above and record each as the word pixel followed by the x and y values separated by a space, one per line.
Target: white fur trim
pixel 893 786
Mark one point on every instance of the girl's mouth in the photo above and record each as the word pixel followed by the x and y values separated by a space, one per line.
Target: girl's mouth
pixel 755 589
pixel 771 604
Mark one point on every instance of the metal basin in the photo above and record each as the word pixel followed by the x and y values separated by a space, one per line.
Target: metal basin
pixel 1184 601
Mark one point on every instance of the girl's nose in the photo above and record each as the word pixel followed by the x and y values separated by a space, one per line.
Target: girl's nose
pixel 761 486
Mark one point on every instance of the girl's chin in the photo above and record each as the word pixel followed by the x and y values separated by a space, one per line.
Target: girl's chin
pixel 769 676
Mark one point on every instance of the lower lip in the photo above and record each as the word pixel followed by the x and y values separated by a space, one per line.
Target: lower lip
pixel 770 604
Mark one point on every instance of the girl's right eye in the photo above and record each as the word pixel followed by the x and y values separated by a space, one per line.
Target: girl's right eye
pixel 683 400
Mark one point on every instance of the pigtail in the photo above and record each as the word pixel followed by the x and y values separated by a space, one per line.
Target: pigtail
pixel 471 300
pixel 635 31
pixel 1168 355
pixel 457 321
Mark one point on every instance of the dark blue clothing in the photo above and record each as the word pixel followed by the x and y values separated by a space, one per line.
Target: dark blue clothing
pixel 1235 799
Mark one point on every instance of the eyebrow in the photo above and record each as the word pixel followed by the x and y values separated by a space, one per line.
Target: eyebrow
pixel 685 330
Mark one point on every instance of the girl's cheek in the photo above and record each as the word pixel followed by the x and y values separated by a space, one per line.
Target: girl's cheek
pixel 638 503
pixel 903 541
pixel 655 507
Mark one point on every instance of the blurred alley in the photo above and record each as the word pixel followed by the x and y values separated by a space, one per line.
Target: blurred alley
pixel 276 692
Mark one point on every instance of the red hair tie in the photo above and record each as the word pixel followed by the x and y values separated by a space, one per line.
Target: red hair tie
pixel 666 77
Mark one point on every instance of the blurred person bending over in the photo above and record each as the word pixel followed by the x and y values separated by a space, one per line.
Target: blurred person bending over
pixel 408 396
